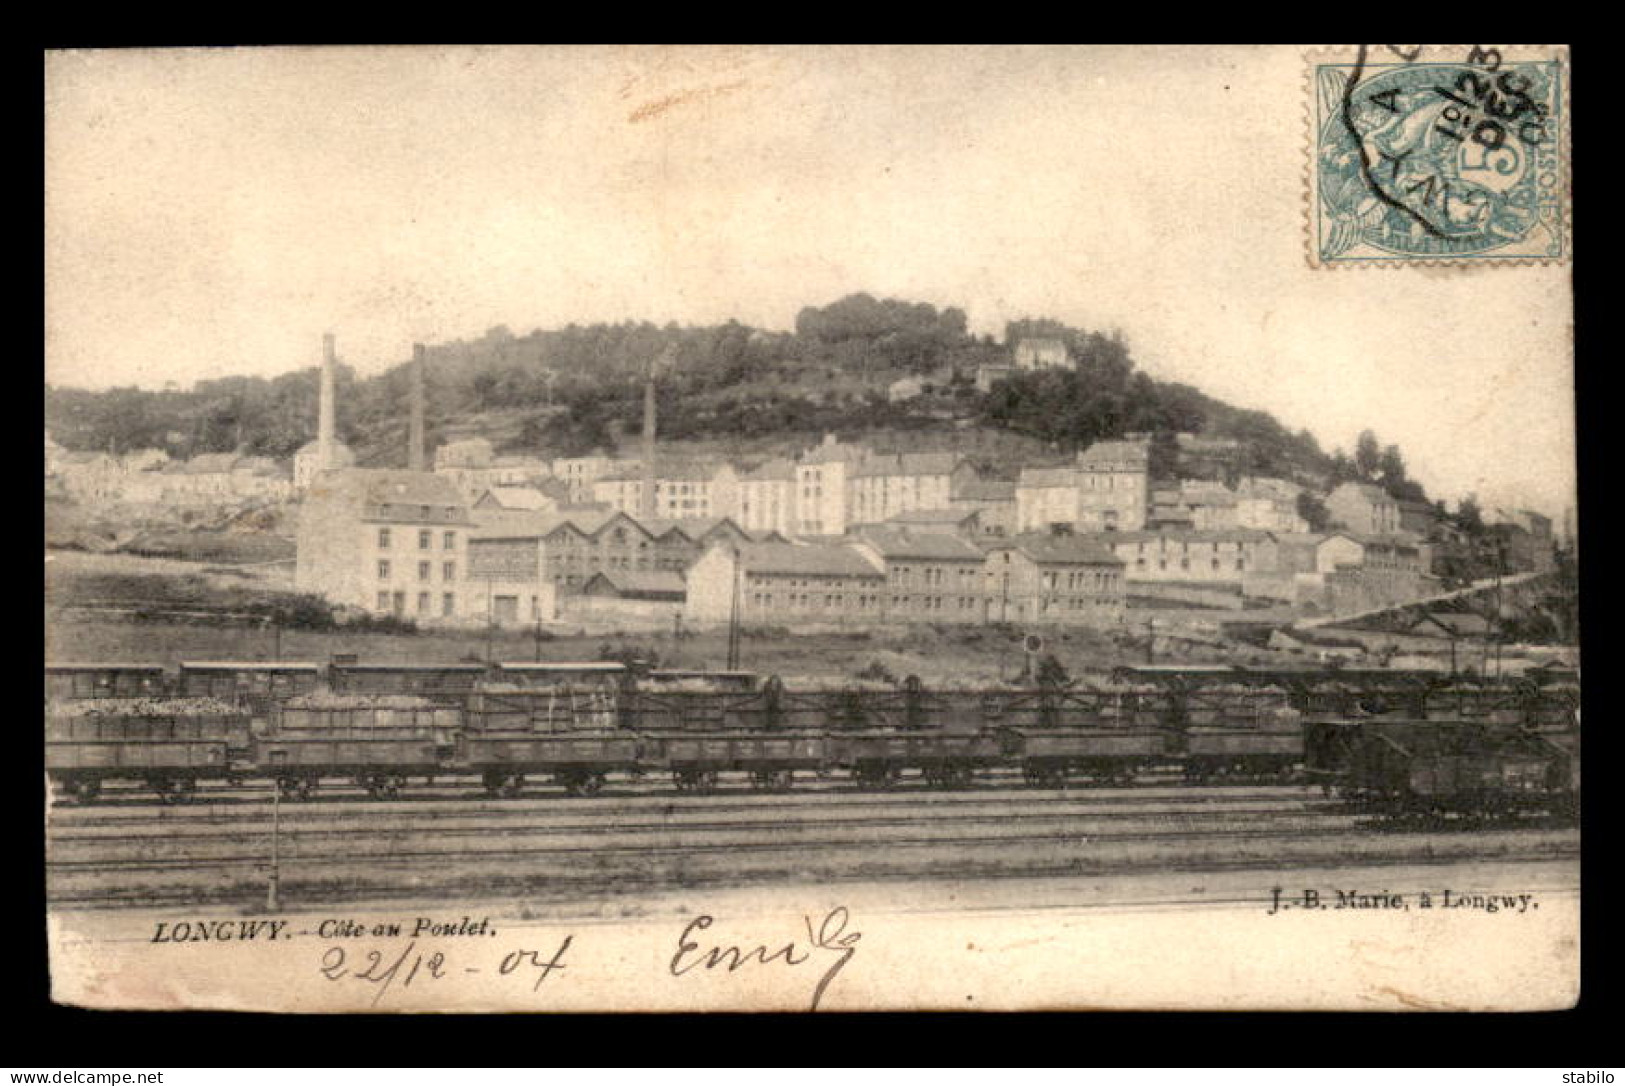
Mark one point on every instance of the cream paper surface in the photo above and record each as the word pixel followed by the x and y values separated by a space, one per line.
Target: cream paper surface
pixel 259 196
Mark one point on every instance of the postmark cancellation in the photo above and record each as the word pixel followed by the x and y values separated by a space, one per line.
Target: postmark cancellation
pixel 1438 154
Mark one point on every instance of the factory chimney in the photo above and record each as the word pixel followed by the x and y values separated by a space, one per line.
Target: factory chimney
pixel 414 447
pixel 324 423
pixel 647 507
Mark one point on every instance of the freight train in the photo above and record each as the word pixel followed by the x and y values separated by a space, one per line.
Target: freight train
pixel 1394 741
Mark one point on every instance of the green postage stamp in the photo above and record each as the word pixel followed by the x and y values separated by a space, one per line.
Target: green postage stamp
pixel 1439 154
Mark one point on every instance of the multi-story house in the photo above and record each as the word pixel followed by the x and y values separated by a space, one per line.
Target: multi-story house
pixel 388 542
pixel 1051 580
pixel 580 472
pixel 767 497
pixel 681 490
pixel 1041 354
pixel 881 486
pixel 1269 505
pixel 780 583
pixel 1214 556
pixel 994 502
pixel 1106 489
pixel 821 487
pixel 930 577
pixel 1363 508
pixel 1212 505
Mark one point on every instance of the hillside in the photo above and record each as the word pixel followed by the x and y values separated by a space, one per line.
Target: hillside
pixel 744 392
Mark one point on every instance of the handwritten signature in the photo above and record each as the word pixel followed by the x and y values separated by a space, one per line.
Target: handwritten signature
pixel 831 936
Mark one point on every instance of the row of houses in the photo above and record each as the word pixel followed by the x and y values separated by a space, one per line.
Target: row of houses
pixel 409 544
pixel 150 476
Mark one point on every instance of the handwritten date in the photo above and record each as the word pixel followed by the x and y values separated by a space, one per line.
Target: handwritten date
pixel 385 970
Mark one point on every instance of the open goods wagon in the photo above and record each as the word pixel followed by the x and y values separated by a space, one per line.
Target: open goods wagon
pixel 1447 767
pixel 169 743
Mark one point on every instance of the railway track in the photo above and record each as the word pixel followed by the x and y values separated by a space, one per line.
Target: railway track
pixel 338 851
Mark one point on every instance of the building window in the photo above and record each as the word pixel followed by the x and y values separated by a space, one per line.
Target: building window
pixel 423 539
pixel 448 605
pixel 423 571
pixel 448 541
pixel 448 571
pixel 383 601
pixel 383 538
pixel 423 603
pixel 383 569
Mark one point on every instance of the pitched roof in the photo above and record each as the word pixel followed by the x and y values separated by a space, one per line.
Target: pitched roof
pixel 986 490
pixel 496 522
pixel 832 450
pixel 1206 535
pixel 777 469
pixel 693 527
pixel 931 546
pixel 518 497
pixel 934 516
pixel 925 463
pixel 1058 550
pixel 654 582
pixel 1030 477
pixel 1115 452
pixel 818 560
pixel 392 493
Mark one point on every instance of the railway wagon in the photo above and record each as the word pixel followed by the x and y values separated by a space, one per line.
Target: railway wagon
pixel 447 684
pixel 257 684
pixel 771 760
pixel 104 680
pixel 878 759
pixel 169 743
pixel 673 708
pixel 378 741
pixel 1401 767
pixel 1058 734
pixel 580 762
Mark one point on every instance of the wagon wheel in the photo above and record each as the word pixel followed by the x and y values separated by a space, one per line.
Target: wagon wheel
pixel 511 787
pixel 88 790
pixel 306 786
pixel 590 784
pixel 493 781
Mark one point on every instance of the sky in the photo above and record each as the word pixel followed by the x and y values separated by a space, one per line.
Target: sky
pixel 213 212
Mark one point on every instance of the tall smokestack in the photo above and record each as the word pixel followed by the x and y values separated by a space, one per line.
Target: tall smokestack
pixel 414 447
pixel 324 425
pixel 647 498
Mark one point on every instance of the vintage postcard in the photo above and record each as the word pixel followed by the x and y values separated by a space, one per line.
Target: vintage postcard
pixel 811 529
